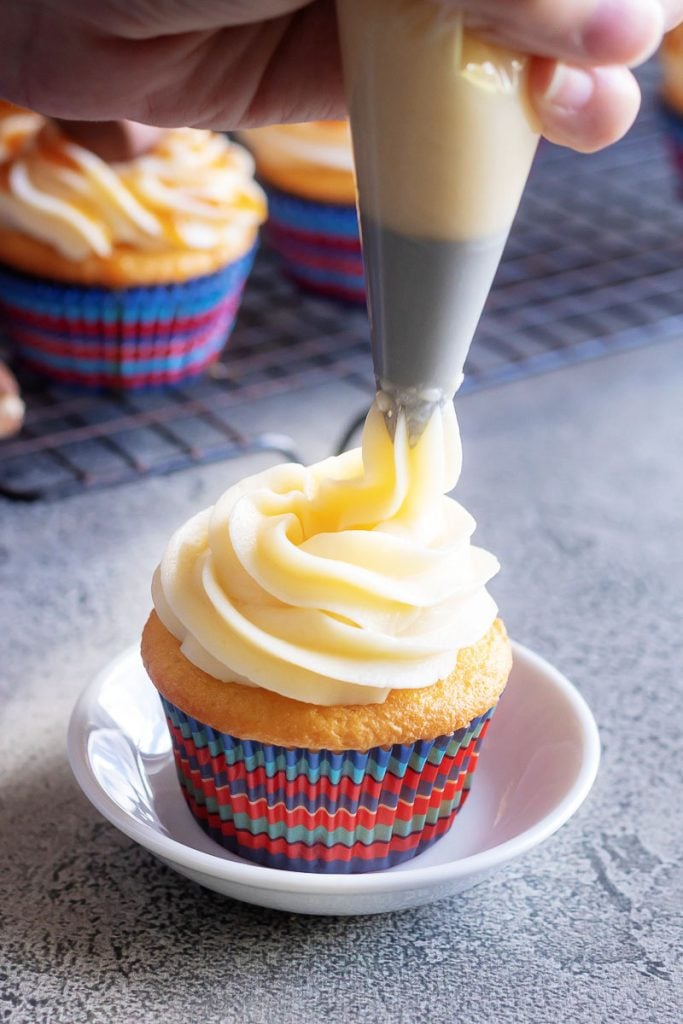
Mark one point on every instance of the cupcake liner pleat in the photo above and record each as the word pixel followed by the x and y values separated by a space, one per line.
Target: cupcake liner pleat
pixel 318 243
pixel 126 338
pixel 323 811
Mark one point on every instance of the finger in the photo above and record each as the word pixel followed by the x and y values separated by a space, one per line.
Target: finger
pixel 673 12
pixel 147 19
pixel 578 31
pixel 584 108
pixel 303 80
pixel 283 69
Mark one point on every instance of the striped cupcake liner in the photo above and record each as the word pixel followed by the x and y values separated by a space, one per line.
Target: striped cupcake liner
pixel 126 338
pixel 672 123
pixel 318 243
pixel 321 811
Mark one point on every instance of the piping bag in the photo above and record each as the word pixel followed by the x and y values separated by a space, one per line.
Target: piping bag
pixel 443 141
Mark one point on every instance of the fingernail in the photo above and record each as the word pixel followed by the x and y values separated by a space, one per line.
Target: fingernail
pixel 570 88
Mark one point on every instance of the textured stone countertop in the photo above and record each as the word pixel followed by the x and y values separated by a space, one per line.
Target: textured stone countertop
pixel 576 481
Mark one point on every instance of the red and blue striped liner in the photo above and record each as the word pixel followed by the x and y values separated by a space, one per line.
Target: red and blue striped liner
pixel 126 338
pixel 672 123
pixel 321 811
pixel 319 244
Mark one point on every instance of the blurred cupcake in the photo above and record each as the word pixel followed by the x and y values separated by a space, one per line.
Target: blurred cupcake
pixel 17 129
pixel 328 655
pixel 671 57
pixel 307 171
pixel 12 407
pixel 125 274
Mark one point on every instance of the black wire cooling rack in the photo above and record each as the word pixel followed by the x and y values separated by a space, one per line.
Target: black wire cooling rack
pixel 594 265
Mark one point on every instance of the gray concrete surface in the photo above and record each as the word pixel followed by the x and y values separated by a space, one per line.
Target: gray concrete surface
pixel 576 480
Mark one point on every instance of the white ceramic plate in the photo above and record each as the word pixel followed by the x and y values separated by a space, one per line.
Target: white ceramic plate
pixel 538 764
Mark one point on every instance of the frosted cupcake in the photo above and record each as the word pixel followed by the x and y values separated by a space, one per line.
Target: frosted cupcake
pixel 328 656
pixel 125 275
pixel 307 170
pixel 671 104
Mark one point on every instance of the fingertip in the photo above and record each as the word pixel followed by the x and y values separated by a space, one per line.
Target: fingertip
pixel 623 31
pixel 583 108
pixel 586 32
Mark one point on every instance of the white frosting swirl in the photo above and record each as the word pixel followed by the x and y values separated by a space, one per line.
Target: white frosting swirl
pixel 325 144
pixel 17 127
pixel 334 583
pixel 193 190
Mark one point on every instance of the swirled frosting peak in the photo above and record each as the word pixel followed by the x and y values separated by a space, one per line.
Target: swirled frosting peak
pixel 194 189
pixel 338 582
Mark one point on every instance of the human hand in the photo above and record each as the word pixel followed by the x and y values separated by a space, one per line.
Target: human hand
pixel 581 87
pixel 233 63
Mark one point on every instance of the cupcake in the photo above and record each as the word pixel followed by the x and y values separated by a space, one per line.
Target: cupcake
pixel 307 171
pixel 671 100
pixel 12 407
pixel 125 274
pixel 328 656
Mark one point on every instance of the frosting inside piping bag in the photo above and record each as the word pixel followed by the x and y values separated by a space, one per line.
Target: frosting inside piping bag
pixel 338 582
pixel 443 142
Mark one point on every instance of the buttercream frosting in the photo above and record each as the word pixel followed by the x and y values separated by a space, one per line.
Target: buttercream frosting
pixel 442 130
pixel 194 190
pixel 338 582
pixel 312 160
pixel 17 128
pixel 327 144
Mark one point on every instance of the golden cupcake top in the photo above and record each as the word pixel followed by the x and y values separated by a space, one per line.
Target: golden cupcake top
pixel 313 160
pixel 475 684
pixel 192 191
pixel 337 583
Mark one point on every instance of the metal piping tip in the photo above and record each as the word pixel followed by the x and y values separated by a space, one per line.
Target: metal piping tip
pixel 416 405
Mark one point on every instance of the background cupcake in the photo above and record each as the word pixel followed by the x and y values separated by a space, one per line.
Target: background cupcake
pixel 12 408
pixel 671 57
pixel 307 170
pixel 328 656
pixel 126 274
pixel 17 128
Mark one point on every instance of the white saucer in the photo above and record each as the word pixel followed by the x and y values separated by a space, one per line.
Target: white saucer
pixel 538 764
